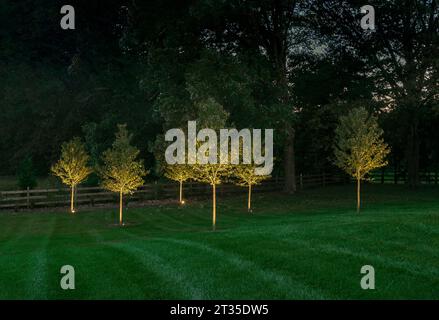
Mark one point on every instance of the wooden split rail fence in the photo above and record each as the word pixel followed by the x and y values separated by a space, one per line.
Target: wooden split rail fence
pixel 93 196
pixel 392 177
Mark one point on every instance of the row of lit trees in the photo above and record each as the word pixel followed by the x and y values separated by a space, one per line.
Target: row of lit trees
pixel 121 170
pixel 214 174
pixel 358 149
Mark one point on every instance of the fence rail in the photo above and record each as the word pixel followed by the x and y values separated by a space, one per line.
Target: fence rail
pixel 93 196
pixel 392 177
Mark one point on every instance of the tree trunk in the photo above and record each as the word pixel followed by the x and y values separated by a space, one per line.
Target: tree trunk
pixel 289 161
pixel 181 192
pixel 279 55
pixel 213 207
pixel 120 209
pixel 72 199
pixel 249 204
pixel 413 156
pixel 358 195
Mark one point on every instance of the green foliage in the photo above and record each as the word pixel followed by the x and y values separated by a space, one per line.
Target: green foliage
pixel 226 80
pixel 359 146
pixel 26 174
pixel 72 168
pixel 212 174
pixel 245 176
pixel 179 172
pixel 260 61
pixel 95 146
pixel 121 171
pixel 210 114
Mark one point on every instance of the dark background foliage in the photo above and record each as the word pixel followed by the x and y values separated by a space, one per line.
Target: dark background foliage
pixel 294 66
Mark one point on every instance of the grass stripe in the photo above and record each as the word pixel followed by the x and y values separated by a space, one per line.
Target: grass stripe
pixel 165 272
pixel 37 284
pixel 282 282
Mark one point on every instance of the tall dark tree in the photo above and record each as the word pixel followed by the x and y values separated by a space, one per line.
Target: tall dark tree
pixel 273 30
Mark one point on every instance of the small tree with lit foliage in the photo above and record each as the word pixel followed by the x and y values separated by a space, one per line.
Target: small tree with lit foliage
pixel 245 176
pixel 212 115
pixel 212 174
pixel 359 146
pixel 180 173
pixel 121 171
pixel 72 167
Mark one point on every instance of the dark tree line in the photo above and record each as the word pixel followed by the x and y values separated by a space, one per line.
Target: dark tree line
pixel 294 66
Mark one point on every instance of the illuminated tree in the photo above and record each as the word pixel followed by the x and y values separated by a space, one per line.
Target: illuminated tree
pixel 121 171
pixel 179 173
pixel 72 167
pixel 210 114
pixel 359 146
pixel 213 174
pixel 246 177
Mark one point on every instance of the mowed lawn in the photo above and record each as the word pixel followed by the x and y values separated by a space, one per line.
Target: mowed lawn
pixel 311 245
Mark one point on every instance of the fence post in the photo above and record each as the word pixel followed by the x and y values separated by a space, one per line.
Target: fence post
pixel 156 193
pixel 301 181
pixel 27 198
pixel 382 176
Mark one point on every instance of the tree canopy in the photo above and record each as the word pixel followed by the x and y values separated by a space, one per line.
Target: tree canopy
pixel 359 147
pixel 294 66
